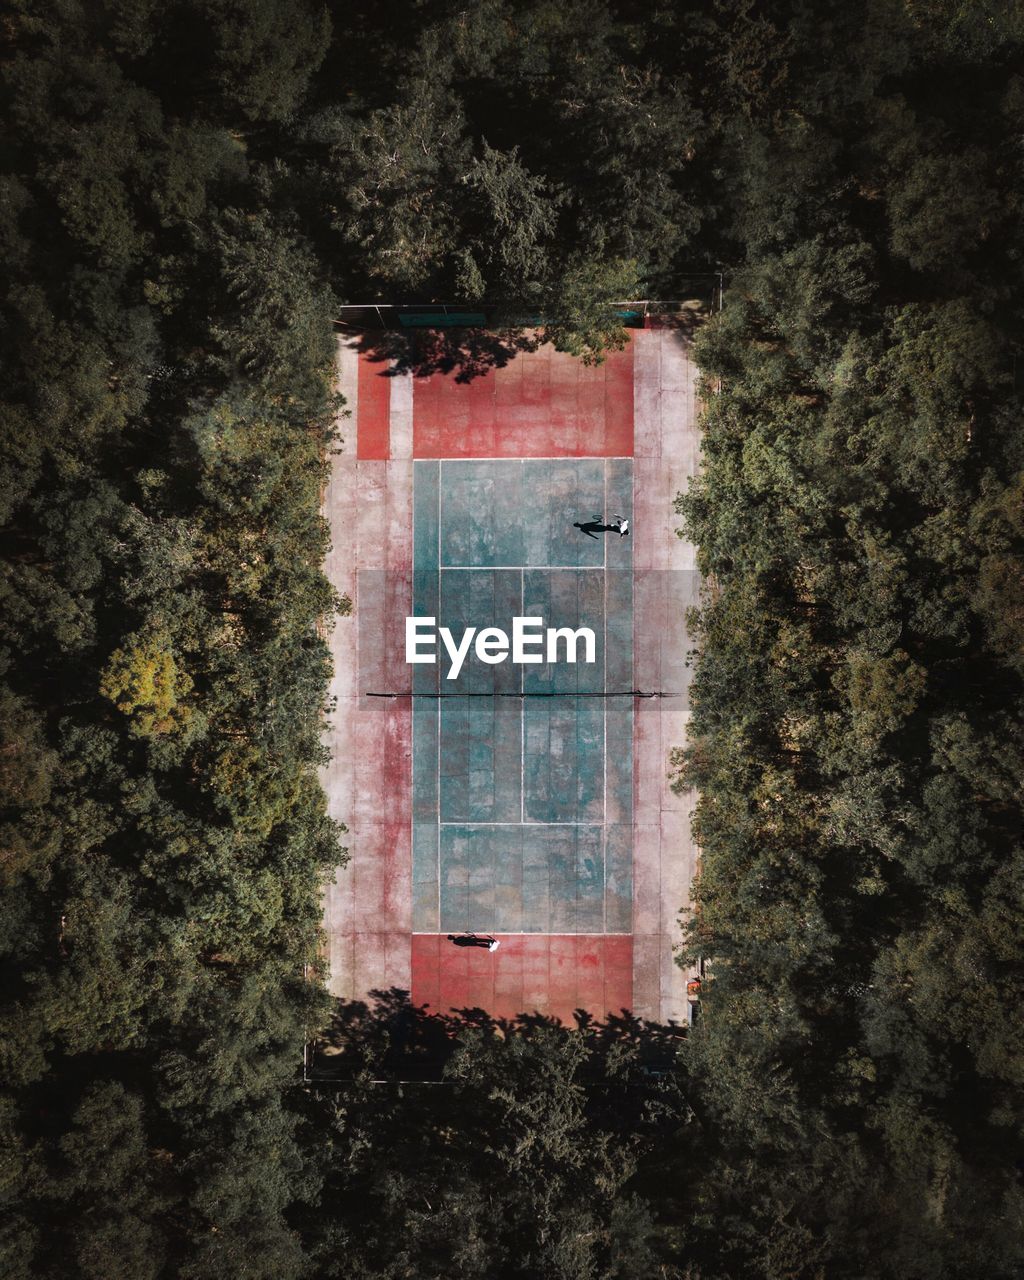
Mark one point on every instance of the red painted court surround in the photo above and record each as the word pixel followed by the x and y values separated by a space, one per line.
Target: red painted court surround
pixel 558 973
pixel 374 427
pixel 542 404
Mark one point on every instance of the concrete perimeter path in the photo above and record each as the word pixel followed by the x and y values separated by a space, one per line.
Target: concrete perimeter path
pixel 641 404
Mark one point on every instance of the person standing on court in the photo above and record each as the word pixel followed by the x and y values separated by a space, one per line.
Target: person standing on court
pixel 472 940
pixel 592 528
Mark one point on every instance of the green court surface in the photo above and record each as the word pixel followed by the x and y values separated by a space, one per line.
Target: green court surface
pixel 522 805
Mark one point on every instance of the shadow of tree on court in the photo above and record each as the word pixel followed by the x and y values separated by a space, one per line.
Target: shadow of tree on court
pixel 684 322
pixel 471 353
pixel 464 353
pixel 390 1037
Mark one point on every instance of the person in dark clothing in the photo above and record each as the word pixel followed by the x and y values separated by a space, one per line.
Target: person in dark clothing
pixel 472 940
pixel 593 527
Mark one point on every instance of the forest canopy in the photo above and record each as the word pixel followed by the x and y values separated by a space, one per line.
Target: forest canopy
pixel 188 191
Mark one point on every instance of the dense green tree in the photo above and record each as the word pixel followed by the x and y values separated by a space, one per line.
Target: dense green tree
pixel 519 1155
pixel 860 463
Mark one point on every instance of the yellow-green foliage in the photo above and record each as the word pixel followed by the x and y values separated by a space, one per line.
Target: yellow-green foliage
pixel 143 680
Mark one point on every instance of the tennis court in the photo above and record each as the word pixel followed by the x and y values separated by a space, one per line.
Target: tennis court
pixel 523 774
pixel 527 801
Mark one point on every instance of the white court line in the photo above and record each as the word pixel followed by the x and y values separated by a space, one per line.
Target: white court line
pixel 632 706
pixel 523 823
pixel 439 708
pixel 522 715
pixel 412 721
pixel 523 933
pixel 557 457
pixel 604 743
pixel 596 826
pixel 486 568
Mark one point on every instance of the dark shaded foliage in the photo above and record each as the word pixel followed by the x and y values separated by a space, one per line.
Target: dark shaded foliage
pixel 857 706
